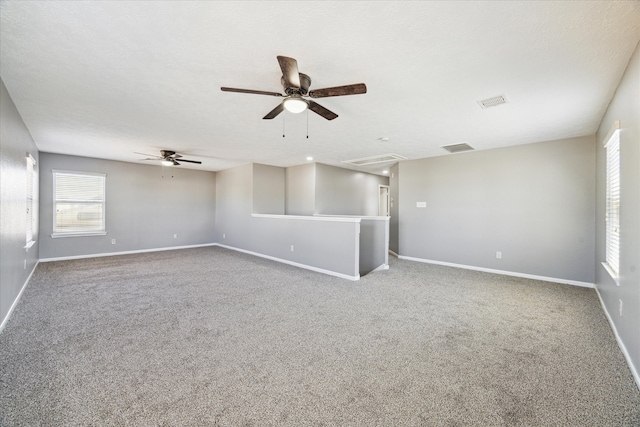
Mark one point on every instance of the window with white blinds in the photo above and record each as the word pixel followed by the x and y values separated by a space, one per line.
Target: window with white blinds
pixel 32 200
pixel 79 203
pixel 612 214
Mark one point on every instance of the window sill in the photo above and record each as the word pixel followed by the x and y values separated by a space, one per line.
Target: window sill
pixel 613 274
pixel 97 233
pixel 28 245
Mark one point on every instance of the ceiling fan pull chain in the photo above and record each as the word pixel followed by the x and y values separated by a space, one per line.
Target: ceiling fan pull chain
pixel 307 123
pixel 283 118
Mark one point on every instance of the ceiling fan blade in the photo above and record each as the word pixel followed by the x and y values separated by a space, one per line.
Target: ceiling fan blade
pixel 320 110
pixel 289 67
pixel 354 89
pixel 271 114
pixel 255 92
pixel 188 161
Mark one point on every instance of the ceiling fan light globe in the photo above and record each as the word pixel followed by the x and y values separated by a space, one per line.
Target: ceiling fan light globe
pixel 295 105
pixel 167 163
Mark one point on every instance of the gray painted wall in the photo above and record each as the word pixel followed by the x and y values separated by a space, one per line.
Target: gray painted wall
pixel 625 106
pixel 374 244
pixel 325 245
pixel 328 190
pixel 234 200
pixel 268 189
pixel 534 203
pixel 145 206
pixel 301 189
pixel 16 263
pixel 346 192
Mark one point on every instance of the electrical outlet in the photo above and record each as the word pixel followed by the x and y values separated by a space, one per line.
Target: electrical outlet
pixel 291 248
pixel 25 264
pixel 224 236
pixel 620 307
pixel 113 241
pixel 499 255
pixel 175 236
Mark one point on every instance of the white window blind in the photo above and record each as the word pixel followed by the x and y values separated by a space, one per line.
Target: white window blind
pixel 612 214
pixel 31 200
pixel 79 203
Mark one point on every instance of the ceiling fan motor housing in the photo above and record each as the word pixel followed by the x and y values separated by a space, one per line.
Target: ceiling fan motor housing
pixel 305 82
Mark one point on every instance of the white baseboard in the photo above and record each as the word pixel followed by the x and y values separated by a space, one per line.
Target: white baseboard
pixel 380 268
pixel 15 302
pixel 295 264
pixel 393 253
pixel 502 272
pixel 65 258
pixel 626 354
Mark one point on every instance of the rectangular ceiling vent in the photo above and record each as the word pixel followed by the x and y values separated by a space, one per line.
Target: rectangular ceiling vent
pixel 458 148
pixel 492 102
pixel 372 160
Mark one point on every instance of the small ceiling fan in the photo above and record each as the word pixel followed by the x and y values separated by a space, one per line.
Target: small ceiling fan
pixel 296 89
pixel 169 158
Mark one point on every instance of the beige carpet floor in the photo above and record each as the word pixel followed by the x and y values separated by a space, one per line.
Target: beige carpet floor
pixel 212 337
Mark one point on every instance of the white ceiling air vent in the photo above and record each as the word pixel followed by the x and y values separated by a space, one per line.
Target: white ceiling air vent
pixel 371 160
pixel 458 148
pixel 492 102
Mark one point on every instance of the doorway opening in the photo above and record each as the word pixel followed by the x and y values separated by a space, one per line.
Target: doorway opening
pixel 383 200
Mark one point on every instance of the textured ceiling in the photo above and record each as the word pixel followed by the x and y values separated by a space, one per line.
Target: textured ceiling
pixel 107 79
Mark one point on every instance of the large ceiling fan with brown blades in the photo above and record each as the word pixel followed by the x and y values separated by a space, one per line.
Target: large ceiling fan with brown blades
pixel 296 91
pixel 168 158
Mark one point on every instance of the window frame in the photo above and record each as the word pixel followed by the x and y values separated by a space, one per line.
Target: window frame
pixel 79 233
pixel 612 203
